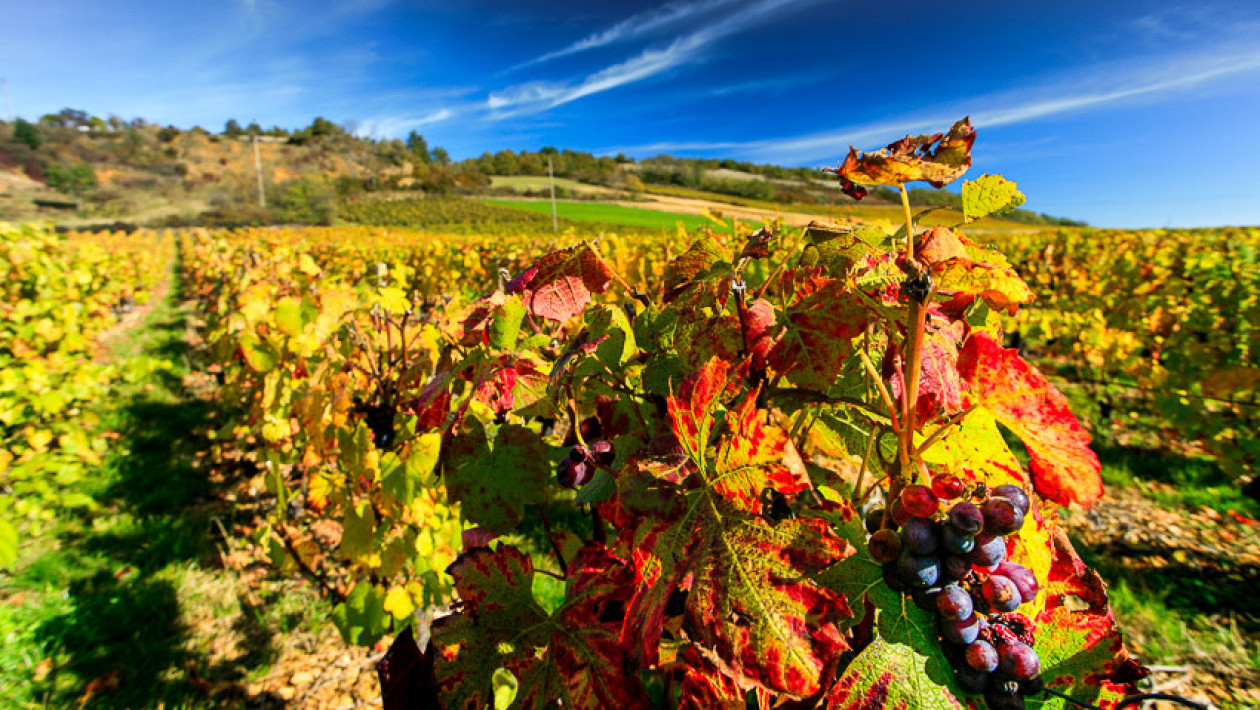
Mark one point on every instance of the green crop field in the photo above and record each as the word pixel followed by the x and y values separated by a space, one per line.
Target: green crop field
pixel 612 214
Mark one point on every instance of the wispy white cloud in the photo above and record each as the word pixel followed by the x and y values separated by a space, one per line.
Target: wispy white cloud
pixel 640 25
pixel 538 96
pixel 1112 85
pixel 395 125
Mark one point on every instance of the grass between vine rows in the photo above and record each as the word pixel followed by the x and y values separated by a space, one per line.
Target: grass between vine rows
pixel 124 606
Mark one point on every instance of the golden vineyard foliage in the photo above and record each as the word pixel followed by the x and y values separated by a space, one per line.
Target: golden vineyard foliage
pixel 1166 321
pixel 58 294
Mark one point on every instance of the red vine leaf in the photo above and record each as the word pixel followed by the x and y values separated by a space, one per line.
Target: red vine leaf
pixel 1064 468
pixel 755 611
pixel 559 285
pixel 1082 651
pixel 704 687
pixel 935 158
pixel 821 320
pixel 940 390
pixel 755 456
pixel 691 409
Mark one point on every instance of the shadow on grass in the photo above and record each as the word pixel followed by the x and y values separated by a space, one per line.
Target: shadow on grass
pixel 123 569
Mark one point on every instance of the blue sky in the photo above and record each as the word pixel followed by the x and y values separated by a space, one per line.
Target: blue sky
pixel 1121 113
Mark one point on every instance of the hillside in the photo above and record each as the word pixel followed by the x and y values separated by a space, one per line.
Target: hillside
pixel 78 170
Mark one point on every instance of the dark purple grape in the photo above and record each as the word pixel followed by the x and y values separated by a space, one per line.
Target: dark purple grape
pixel 988 552
pixel 956 542
pixel 925 599
pixel 954 603
pixel 1014 494
pixel 579 454
pixel 1025 581
pixel 1018 661
pixel 884 546
pixel 982 656
pixel 947 486
pixel 874 520
pixel 1001 593
pixel 1001 516
pixel 604 453
pixel 893 578
pixel 1002 699
pixel 920 501
pixel 966 517
pixel 918 571
pixel 573 474
pixel 919 535
pixel 955 567
pixel 964 631
pixel 971 680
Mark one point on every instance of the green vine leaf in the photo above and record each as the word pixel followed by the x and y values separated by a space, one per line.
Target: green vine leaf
pixel 989 195
pixel 494 485
pixel 888 675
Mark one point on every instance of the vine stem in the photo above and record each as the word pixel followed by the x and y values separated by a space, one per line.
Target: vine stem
pixel 905 206
pixel 883 391
pixel 546 520
pixel 913 355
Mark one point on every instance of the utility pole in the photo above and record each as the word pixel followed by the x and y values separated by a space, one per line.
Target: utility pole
pixel 551 181
pixel 8 105
pixel 262 196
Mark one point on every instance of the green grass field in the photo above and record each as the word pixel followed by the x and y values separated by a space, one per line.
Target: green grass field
pixel 611 214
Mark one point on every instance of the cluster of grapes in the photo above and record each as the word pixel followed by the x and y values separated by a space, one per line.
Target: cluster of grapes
pixel 578 467
pixel 954 564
